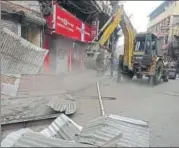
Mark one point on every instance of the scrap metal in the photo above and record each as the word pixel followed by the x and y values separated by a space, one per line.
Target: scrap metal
pixel 135 133
pixel 62 128
pixel 68 106
pixel 29 138
pixel 100 100
pixel 19 56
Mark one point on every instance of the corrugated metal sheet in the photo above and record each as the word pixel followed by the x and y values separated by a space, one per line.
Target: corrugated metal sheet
pixel 67 106
pixel 63 128
pixel 9 25
pixel 35 19
pixel 28 138
pixel 135 133
pixel 18 56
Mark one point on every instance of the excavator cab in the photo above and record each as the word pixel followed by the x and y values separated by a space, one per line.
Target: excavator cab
pixel 146 44
pixel 146 59
pixel 144 50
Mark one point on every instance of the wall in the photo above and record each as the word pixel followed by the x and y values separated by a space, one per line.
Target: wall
pixel 34 35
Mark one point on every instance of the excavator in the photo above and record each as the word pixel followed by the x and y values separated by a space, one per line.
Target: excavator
pixel 141 51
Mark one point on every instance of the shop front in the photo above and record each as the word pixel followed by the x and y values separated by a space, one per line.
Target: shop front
pixel 67 39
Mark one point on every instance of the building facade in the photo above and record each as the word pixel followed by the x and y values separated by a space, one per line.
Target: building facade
pixel 69 31
pixel 24 18
pixel 164 22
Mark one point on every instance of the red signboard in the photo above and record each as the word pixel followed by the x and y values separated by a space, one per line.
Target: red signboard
pixel 68 25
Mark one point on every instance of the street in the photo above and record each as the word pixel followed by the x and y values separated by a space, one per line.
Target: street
pixel 136 99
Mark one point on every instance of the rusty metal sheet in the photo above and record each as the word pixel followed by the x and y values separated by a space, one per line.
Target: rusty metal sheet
pixel 135 133
pixel 28 138
pixel 19 56
pixel 63 128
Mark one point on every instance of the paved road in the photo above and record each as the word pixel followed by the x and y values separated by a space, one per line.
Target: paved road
pixel 136 99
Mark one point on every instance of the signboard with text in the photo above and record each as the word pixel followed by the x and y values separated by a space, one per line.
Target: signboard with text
pixel 68 25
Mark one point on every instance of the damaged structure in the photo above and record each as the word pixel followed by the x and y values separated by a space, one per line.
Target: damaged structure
pixel 109 130
pixel 65 54
pixel 18 22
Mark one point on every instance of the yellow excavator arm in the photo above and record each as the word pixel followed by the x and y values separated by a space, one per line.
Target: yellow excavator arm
pixel 129 32
pixel 112 26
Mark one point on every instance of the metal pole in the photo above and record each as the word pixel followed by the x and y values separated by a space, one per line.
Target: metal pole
pixel 0 71
pixel 100 100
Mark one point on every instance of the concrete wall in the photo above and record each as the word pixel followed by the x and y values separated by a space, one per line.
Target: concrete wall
pixel 34 35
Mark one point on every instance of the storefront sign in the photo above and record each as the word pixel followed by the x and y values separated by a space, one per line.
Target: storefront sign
pixel 68 25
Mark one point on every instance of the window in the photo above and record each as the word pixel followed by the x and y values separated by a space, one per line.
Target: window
pixel 24 32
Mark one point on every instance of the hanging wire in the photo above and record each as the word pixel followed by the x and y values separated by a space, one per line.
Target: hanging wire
pixel 82 10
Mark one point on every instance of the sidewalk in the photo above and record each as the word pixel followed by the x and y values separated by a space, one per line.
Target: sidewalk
pixel 31 84
pixel 36 90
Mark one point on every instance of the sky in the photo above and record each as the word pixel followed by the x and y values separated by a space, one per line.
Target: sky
pixel 140 11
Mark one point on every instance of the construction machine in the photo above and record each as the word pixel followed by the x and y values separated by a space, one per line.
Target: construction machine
pixel 141 51
pixel 145 60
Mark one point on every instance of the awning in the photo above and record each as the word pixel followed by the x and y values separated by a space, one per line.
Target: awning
pixel 34 19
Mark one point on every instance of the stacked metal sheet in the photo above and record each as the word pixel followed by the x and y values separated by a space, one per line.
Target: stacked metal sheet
pixel 135 133
pixel 18 56
pixel 28 138
pixel 62 128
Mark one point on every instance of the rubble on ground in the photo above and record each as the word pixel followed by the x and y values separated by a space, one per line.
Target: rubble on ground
pixel 29 138
pixel 135 133
pixel 108 130
pixel 62 128
pixel 65 105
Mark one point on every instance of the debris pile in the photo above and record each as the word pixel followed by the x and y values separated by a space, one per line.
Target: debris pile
pixel 108 130
pixel 62 128
pixel 66 105
pixel 134 133
pixel 105 131
pixel 29 138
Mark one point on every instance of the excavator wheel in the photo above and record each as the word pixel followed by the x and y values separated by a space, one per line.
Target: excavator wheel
pixel 129 75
